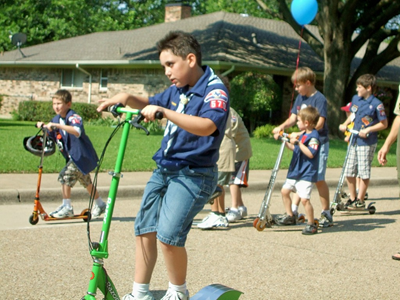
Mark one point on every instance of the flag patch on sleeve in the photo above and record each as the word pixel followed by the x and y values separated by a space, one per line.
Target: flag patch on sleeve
pixel 314 143
pixel 217 99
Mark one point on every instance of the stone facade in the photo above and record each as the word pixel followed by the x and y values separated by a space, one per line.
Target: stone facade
pixel 20 84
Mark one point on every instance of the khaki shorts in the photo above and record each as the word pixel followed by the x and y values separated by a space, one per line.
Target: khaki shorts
pixel 70 174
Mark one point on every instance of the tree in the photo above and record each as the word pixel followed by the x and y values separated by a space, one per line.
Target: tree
pixel 345 26
pixel 252 94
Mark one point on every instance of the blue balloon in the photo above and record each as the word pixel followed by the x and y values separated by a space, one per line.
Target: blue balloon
pixel 304 11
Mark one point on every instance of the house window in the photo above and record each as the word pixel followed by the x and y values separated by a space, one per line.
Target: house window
pixel 72 79
pixel 103 79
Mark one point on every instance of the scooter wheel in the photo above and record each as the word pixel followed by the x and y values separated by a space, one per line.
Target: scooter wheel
pixel 301 219
pixel 316 222
pixel 33 220
pixel 372 210
pixel 257 224
pixel 333 211
pixel 89 216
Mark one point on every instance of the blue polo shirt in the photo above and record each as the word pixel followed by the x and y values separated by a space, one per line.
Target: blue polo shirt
pixel 301 167
pixel 79 149
pixel 318 101
pixel 368 112
pixel 208 99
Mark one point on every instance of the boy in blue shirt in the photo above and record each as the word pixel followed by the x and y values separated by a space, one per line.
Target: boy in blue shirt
pixel 197 107
pixel 68 130
pixel 303 169
pixel 304 80
pixel 369 117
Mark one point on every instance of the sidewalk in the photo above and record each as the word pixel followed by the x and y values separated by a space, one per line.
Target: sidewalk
pixel 16 188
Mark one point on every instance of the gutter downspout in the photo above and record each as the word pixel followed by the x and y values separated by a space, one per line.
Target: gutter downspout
pixel 229 71
pixel 90 81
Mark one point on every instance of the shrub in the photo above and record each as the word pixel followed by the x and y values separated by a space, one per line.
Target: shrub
pixel 266 131
pixel 43 111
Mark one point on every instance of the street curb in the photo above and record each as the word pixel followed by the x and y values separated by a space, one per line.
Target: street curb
pixel 15 196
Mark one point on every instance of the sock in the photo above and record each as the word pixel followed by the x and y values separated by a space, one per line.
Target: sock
pixel 99 201
pixel 328 212
pixel 234 209
pixel 140 290
pixel 67 203
pixel 294 208
pixel 218 213
pixel 178 288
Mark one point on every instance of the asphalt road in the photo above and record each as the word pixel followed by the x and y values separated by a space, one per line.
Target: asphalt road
pixel 351 260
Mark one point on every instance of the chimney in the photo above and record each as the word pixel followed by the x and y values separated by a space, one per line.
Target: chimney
pixel 177 11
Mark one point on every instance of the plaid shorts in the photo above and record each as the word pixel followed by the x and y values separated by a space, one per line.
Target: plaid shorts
pixel 359 161
pixel 70 174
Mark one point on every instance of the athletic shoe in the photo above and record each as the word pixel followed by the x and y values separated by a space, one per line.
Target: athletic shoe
pixel 233 216
pixel 310 229
pixel 56 211
pixel 65 212
pixel 174 295
pixel 243 211
pixel 325 220
pixel 287 220
pixel 213 220
pixel 98 210
pixel 357 204
pixel 349 202
pixel 149 296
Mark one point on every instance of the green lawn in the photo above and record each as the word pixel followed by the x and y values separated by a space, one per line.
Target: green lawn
pixel 138 157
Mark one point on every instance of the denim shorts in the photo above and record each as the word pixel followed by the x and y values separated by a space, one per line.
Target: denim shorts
pixel 171 200
pixel 323 159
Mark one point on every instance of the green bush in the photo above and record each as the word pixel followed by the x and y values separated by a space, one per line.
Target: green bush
pixel 43 111
pixel 266 131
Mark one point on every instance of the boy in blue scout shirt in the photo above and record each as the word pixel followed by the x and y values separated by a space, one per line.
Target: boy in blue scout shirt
pixel 68 130
pixel 303 169
pixel 197 107
pixel 304 80
pixel 369 117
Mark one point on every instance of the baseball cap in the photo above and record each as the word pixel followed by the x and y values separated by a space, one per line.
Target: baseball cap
pixel 346 108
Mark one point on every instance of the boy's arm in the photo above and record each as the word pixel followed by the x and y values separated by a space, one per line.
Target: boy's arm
pixel 320 123
pixel 137 102
pixel 343 126
pixel 389 141
pixel 193 124
pixel 305 150
pixel 68 128
pixel 288 123
pixel 377 127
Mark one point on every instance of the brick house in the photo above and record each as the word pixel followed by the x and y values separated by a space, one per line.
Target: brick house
pixel 101 64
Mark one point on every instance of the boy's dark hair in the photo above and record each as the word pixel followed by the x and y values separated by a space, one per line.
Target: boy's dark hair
pixel 367 80
pixel 304 74
pixel 309 114
pixel 181 44
pixel 63 95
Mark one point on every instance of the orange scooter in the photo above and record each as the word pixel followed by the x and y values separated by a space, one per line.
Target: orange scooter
pixel 44 145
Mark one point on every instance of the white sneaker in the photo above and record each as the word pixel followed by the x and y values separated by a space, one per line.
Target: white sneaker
pixel 149 296
pixel 56 211
pixel 243 211
pixel 174 295
pixel 98 210
pixel 65 212
pixel 233 216
pixel 213 220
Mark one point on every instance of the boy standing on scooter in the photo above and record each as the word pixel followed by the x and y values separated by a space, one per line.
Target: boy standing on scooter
pixel 197 107
pixel 369 117
pixel 303 169
pixel 304 80
pixel 67 129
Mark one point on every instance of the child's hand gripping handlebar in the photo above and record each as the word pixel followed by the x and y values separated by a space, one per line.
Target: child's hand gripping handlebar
pixel 118 109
